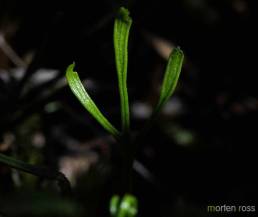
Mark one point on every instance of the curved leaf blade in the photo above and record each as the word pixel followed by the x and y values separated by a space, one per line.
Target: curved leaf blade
pixel 121 34
pixel 82 95
pixel 39 171
pixel 171 76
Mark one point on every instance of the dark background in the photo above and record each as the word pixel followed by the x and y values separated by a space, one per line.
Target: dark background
pixel 200 152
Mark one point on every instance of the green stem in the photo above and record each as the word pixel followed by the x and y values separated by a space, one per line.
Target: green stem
pixel 128 156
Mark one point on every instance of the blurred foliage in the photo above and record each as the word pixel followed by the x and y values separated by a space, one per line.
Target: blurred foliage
pixel 26 203
pixel 127 206
pixel 201 151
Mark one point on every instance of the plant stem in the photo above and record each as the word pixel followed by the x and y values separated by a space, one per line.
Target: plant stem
pixel 128 155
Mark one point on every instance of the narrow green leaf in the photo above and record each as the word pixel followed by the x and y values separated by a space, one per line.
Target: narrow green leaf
pixel 171 76
pixel 121 33
pixel 82 95
pixel 37 171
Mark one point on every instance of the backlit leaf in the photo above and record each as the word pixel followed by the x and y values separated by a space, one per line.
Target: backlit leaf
pixel 82 95
pixel 121 33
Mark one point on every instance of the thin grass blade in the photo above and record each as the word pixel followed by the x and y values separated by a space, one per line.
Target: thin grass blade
pixel 122 26
pixel 37 171
pixel 82 95
pixel 170 79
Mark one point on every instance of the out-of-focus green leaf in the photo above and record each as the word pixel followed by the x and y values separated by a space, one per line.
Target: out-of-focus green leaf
pixel 121 33
pixel 126 207
pixel 38 204
pixel 37 171
pixel 114 205
pixel 82 95
pixel 171 76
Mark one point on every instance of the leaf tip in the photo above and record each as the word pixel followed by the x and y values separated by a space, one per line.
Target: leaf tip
pixel 178 52
pixel 177 55
pixel 124 14
pixel 70 69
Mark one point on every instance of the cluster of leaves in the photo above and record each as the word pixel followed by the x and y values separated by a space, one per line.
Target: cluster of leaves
pixel 128 204
pixel 121 35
